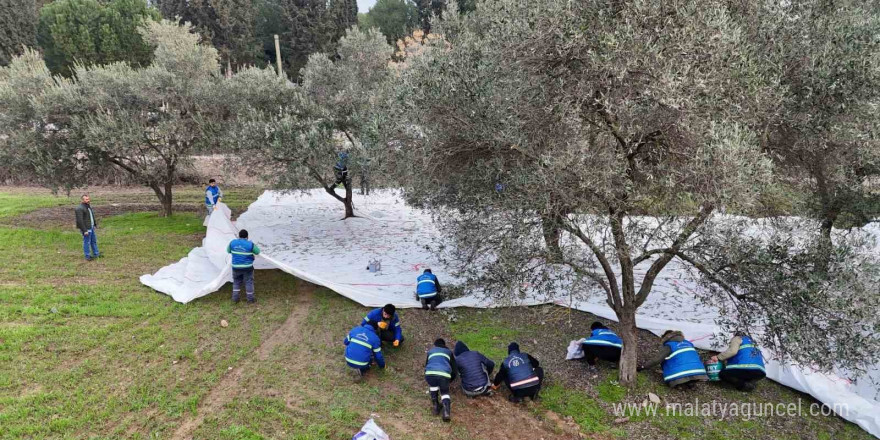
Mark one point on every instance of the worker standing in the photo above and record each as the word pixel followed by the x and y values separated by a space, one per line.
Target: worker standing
pixel 521 372
pixel 428 290
pixel 362 348
pixel 387 322
pixel 243 253
pixel 440 370
pixel 213 195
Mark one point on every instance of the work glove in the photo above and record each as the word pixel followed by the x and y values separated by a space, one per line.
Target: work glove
pixel 383 325
pixel 396 343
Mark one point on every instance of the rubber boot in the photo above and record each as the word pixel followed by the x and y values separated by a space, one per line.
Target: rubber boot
pixel 435 402
pixel 447 410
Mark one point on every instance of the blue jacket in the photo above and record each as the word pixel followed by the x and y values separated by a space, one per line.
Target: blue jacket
pixel 747 358
pixel 440 362
pixel 604 337
pixel 519 371
pixel 427 285
pixel 212 194
pixel 474 368
pixel 683 361
pixel 362 345
pixel 243 252
pixel 341 162
pixel 375 316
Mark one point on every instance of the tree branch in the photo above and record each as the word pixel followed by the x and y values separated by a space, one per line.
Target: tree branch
pixel 648 281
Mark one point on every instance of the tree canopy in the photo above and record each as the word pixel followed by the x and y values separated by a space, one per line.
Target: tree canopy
pixel 146 121
pixel 89 32
pixel 333 112
pixel 18 20
pixel 396 19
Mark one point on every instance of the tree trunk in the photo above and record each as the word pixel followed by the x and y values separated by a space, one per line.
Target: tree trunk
pixel 349 207
pixel 167 202
pixel 552 233
pixel 630 336
pixel 164 197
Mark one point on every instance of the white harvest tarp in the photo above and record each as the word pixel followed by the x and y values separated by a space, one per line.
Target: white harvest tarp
pixel 303 234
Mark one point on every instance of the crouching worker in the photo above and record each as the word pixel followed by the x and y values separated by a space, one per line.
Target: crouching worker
pixel 745 364
pixel 439 371
pixel 681 363
pixel 522 374
pixel 243 252
pixel 602 344
pixel 474 369
pixel 388 324
pixel 362 347
pixel 428 290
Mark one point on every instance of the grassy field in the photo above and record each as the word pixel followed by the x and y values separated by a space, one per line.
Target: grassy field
pixel 86 351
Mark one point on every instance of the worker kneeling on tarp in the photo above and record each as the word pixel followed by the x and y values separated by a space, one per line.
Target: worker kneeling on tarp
pixel 362 347
pixel 522 374
pixel 387 322
pixel 681 363
pixel 475 370
pixel 439 371
pixel 602 344
pixel 745 364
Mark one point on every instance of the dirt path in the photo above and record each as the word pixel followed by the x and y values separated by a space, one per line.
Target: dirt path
pixel 228 387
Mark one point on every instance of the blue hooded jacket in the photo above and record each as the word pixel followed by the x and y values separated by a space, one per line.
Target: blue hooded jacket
pixel 362 345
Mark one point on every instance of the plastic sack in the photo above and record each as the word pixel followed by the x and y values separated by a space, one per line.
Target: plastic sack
pixel 371 431
pixel 575 350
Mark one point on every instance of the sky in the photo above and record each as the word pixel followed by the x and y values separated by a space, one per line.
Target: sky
pixel 365 5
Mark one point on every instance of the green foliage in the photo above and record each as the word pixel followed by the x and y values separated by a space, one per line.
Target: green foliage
pixel 88 32
pixel 394 18
pixel 588 115
pixel 145 121
pixel 296 131
pixel 17 20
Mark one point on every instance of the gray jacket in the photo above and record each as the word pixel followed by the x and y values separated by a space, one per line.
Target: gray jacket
pixel 84 217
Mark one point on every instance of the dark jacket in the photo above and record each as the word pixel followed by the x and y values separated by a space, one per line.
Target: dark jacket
pixel 83 217
pixel 518 369
pixel 474 368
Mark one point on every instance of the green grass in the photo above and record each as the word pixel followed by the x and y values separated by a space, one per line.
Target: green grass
pixel 15 204
pixel 585 411
pixel 481 333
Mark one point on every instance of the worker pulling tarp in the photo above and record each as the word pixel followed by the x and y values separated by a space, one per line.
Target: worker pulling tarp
pixel 303 234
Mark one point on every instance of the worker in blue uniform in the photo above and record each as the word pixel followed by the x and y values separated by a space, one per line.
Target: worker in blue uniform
pixel 362 348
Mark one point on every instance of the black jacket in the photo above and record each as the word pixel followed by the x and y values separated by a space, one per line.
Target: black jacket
pixel 83 219
pixel 474 368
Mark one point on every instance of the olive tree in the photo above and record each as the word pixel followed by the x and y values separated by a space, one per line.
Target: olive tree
pixel 626 127
pixel 334 111
pixel 145 121
pixel 823 132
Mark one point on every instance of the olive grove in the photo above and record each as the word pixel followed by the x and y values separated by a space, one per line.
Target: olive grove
pixel 589 145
